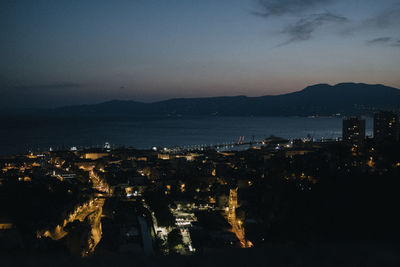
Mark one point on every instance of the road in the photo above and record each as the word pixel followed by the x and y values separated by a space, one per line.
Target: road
pixel 91 210
pixel 146 236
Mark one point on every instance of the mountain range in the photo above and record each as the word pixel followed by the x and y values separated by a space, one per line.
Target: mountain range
pixel 317 100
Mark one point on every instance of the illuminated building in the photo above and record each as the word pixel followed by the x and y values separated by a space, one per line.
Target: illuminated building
pixel 386 126
pixel 94 155
pixel 163 156
pixel 354 131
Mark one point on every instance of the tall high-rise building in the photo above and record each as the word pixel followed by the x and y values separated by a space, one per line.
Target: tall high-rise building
pixel 386 127
pixel 354 131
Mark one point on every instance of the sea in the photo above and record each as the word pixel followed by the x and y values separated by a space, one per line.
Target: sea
pixel 39 134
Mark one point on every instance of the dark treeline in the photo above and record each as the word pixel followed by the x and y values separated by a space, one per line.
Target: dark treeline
pixel 330 195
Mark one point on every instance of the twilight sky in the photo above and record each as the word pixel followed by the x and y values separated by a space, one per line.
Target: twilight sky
pixel 64 52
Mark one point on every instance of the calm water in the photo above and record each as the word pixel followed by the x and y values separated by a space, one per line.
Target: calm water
pixel 22 134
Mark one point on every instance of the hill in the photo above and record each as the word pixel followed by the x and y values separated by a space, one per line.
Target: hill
pixel 315 100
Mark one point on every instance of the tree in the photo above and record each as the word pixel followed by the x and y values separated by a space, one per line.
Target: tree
pixel 174 240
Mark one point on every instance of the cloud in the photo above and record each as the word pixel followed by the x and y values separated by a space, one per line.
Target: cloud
pixel 47 87
pixel 396 43
pixel 304 28
pixel 282 7
pixel 304 17
pixel 381 40
pixel 390 17
pixel 388 41
pixel 303 14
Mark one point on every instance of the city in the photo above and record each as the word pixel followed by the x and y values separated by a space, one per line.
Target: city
pixel 199 133
pixel 196 202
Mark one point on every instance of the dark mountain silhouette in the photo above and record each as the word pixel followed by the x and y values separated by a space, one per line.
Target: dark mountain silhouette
pixel 320 100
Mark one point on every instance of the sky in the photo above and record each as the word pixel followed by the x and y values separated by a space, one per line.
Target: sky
pixel 67 52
